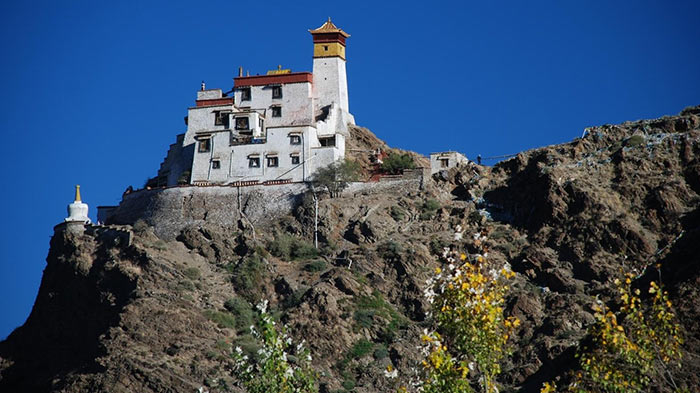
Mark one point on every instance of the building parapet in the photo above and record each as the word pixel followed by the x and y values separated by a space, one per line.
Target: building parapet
pixel 215 102
pixel 263 80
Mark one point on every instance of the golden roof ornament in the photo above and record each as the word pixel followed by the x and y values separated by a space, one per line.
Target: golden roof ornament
pixel 329 27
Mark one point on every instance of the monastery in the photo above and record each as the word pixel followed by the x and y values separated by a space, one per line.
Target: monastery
pixel 278 127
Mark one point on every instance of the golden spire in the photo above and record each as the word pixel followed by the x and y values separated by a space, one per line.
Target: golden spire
pixel 329 27
pixel 77 193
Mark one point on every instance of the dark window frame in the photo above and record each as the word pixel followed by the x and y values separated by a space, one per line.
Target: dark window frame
pixel 246 94
pixel 238 123
pixel 253 162
pixel 276 111
pixel 204 145
pixel 273 162
pixel 221 118
pixel 295 159
pixel 276 92
pixel 327 141
pixel 295 139
pixel 216 164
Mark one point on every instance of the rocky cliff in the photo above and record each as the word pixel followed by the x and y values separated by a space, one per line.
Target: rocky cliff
pixel 122 310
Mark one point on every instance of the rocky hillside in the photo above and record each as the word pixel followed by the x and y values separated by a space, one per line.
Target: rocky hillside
pixel 125 313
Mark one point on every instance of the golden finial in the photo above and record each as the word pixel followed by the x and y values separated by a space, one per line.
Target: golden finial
pixel 77 193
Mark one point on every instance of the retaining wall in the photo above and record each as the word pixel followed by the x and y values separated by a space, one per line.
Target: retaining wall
pixel 169 210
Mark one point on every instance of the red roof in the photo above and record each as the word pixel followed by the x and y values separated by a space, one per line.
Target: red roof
pixel 215 101
pixel 261 80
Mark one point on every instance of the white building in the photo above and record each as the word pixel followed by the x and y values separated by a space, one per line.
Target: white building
pixel 281 126
pixel 446 160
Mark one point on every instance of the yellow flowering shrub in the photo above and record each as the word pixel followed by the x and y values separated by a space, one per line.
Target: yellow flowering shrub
pixel 631 348
pixel 467 299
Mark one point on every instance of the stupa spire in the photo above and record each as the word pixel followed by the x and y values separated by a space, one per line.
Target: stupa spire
pixel 77 211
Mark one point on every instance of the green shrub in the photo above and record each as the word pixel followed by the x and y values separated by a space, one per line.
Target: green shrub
pixel 222 319
pixel 348 384
pixel 186 285
pixel 281 246
pixel 431 205
pixel 428 209
pixel 369 306
pixel 222 345
pixel 294 299
pixel 634 140
pixel 249 344
pixel 248 273
pixel 315 266
pixel 389 250
pixel 616 146
pixel 192 273
pixel 160 245
pixel 336 176
pixel 288 247
pixel 303 250
pixel 396 163
pixel 361 348
pixel 241 310
pixel 397 213
pixel 380 352
pixel 364 318
pixel 436 246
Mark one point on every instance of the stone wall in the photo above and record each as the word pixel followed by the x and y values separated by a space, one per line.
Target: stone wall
pixel 169 210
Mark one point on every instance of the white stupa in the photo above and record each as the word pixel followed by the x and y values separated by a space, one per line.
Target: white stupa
pixel 78 211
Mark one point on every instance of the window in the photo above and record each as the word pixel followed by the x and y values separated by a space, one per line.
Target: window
pixel 295 139
pixel 221 119
pixel 276 91
pixel 325 47
pixel 253 162
pixel 330 141
pixel 242 123
pixel 276 111
pixel 444 162
pixel 216 164
pixel 295 160
pixel 245 94
pixel 273 161
pixel 204 145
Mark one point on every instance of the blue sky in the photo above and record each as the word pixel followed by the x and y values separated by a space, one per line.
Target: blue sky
pixel 94 93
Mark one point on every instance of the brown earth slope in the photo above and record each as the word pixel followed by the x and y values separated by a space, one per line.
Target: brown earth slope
pixel 156 316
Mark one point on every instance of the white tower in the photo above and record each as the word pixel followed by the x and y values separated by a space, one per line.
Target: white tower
pixel 330 79
pixel 77 211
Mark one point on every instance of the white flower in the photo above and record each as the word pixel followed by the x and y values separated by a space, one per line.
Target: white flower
pixel 262 306
pixel 391 374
